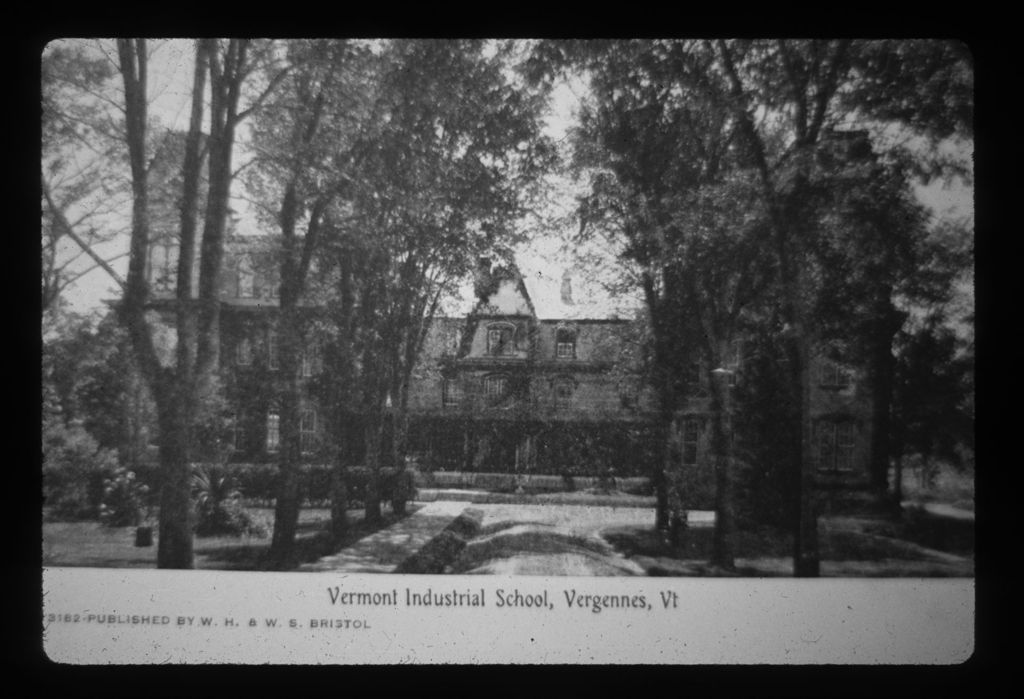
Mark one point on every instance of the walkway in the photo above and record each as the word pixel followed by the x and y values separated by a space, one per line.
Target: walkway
pixel 383 551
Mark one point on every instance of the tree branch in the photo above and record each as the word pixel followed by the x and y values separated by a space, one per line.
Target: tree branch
pixel 70 232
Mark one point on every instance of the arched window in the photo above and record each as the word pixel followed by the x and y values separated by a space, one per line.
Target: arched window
pixel 273 430
pixel 565 343
pixel 501 339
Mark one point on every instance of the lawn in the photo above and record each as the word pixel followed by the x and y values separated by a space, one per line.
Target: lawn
pixel 848 547
pixel 91 544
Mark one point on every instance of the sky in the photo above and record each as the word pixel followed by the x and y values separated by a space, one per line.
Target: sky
pixel 543 260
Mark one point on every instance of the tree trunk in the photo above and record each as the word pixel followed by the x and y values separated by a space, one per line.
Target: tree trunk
pixel 882 374
pixel 286 511
pixel 806 563
pixel 660 479
pixel 721 448
pixel 374 437
pixel 339 502
pixel 175 549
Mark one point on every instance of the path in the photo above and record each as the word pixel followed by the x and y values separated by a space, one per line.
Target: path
pixel 382 551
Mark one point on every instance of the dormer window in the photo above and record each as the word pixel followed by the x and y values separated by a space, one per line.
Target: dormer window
pixel 164 266
pixel 500 340
pixel 565 344
pixel 832 374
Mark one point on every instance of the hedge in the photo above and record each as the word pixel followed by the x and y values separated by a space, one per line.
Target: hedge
pixel 530 483
pixel 258 484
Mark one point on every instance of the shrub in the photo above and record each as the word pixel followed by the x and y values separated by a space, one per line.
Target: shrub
pixel 124 498
pixel 218 503
pixel 258 482
pixel 75 469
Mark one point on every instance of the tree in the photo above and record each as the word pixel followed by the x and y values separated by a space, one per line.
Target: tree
pixel 439 180
pixel 180 385
pixel 91 373
pixel 782 103
pixel 303 139
pixel 665 182
pixel 787 96
pixel 82 185
pixel 933 398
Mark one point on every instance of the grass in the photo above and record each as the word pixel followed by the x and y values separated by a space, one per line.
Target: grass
pixel 949 485
pixel 91 544
pixel 848 547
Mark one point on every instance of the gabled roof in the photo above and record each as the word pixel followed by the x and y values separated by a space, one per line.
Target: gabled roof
pixel 507 294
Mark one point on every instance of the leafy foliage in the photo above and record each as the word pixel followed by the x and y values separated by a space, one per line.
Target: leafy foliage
pixel 934 415
pixel 124 498
pixel 75 468
pixel 218 503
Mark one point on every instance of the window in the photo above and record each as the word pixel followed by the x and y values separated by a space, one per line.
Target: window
pixel 246 279
pixel 238 431
pixel 243 352
pixel 266 284
pixel 273 430
pixel 835 442
pixel 311 360
pixel 734 361
pixel 272 352
pixel 565 344
pixel 500 340
pixel 307 430
pixel 563 390
pixel 833 374
pixel 695 384
pixel 451 393
pixel 629 394
pixel 496 387
pixel 691 435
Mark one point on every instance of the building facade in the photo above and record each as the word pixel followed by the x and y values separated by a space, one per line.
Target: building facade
pixel 504 388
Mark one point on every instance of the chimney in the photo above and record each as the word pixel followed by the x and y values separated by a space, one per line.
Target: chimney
pixel 567 288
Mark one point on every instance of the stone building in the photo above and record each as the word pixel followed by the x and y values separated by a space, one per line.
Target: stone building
pixel 529 381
